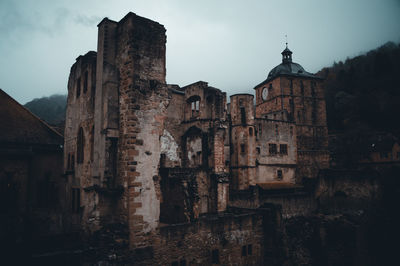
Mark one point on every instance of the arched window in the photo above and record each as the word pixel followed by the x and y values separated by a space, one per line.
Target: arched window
pixel 194 104
pixel 80 143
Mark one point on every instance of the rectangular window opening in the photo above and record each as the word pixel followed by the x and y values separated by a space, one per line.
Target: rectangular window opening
pixel 272 149
pixel 215 256
pixel 279 174
pixel 244 251
pixel 243 115
pixel 250 249
pixel 283 149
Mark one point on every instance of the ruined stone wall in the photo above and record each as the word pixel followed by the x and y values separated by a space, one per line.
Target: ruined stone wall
pixel 79 131
pixel 221 240
pixel 143 103
pixel 292 202
pixel 171 139
pixel 344 190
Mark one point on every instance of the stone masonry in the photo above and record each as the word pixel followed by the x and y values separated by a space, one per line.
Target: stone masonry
pixel 171 164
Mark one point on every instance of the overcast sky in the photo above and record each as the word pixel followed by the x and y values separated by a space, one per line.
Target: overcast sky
pixel 230 44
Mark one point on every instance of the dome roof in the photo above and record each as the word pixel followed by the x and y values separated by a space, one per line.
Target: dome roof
pixel 287 68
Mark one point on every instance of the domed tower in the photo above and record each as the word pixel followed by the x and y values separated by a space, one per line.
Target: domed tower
pixel 242 141
pixel 292 94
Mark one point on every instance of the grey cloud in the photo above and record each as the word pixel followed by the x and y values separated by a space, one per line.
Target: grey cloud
pixel 87 21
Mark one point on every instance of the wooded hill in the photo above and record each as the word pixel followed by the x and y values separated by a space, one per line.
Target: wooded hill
pixel 363 93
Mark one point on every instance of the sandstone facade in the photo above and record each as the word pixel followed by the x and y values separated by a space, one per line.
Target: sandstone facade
pixel 176 165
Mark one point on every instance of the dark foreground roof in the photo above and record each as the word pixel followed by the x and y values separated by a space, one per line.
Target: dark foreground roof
pixel 18 125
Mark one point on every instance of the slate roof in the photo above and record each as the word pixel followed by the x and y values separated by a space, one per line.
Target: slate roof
pixel 19 125
pixel 287 68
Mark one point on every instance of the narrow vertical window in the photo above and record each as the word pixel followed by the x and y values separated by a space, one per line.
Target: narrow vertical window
pixel 76 200
pixel 78 87
pixel 251 131
pixel 244 251
pixel 85 82
pixel 80 143
pixel 242 148
pixel 291 87
pixel 243 115
pixel 272 149
pixel 279 174
pixel 215 256
pixel 92 144
pixel 283 149
pixel 250 249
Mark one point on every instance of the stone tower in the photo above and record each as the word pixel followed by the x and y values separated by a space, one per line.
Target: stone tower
pixel 292 94
pixel 242 141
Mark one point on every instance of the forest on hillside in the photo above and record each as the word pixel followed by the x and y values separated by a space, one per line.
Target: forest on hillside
pixel 50 109
pixel 363 93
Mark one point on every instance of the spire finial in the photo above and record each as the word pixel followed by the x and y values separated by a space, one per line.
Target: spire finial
pixel 286 40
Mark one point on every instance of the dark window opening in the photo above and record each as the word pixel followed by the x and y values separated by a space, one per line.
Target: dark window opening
pixel 243 115
pixel 226 163
pixel 93 94
pixel 69 162
pixel 283 148
pixel 174 263
pixel 251 132
pixel 259 129
pixel 242 148
pixel 72 162
pixel 258 150
pixel 215 256
pixel 80 143
pixel 291 87
pixel 78 87
pixel 302 87
pixel 250 249
pixel 113 160
pixel 76 200
pixel 272 149
pixel 279 174
pixel 85 82
pixel 92 144
pixel 313 88
pixel 182 263
pixel 276 130
pixel 163 158
pixel 194 105
pixel 244 251
pixel 383 155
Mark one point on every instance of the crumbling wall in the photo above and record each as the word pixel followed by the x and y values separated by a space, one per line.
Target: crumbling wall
pixel 143 102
